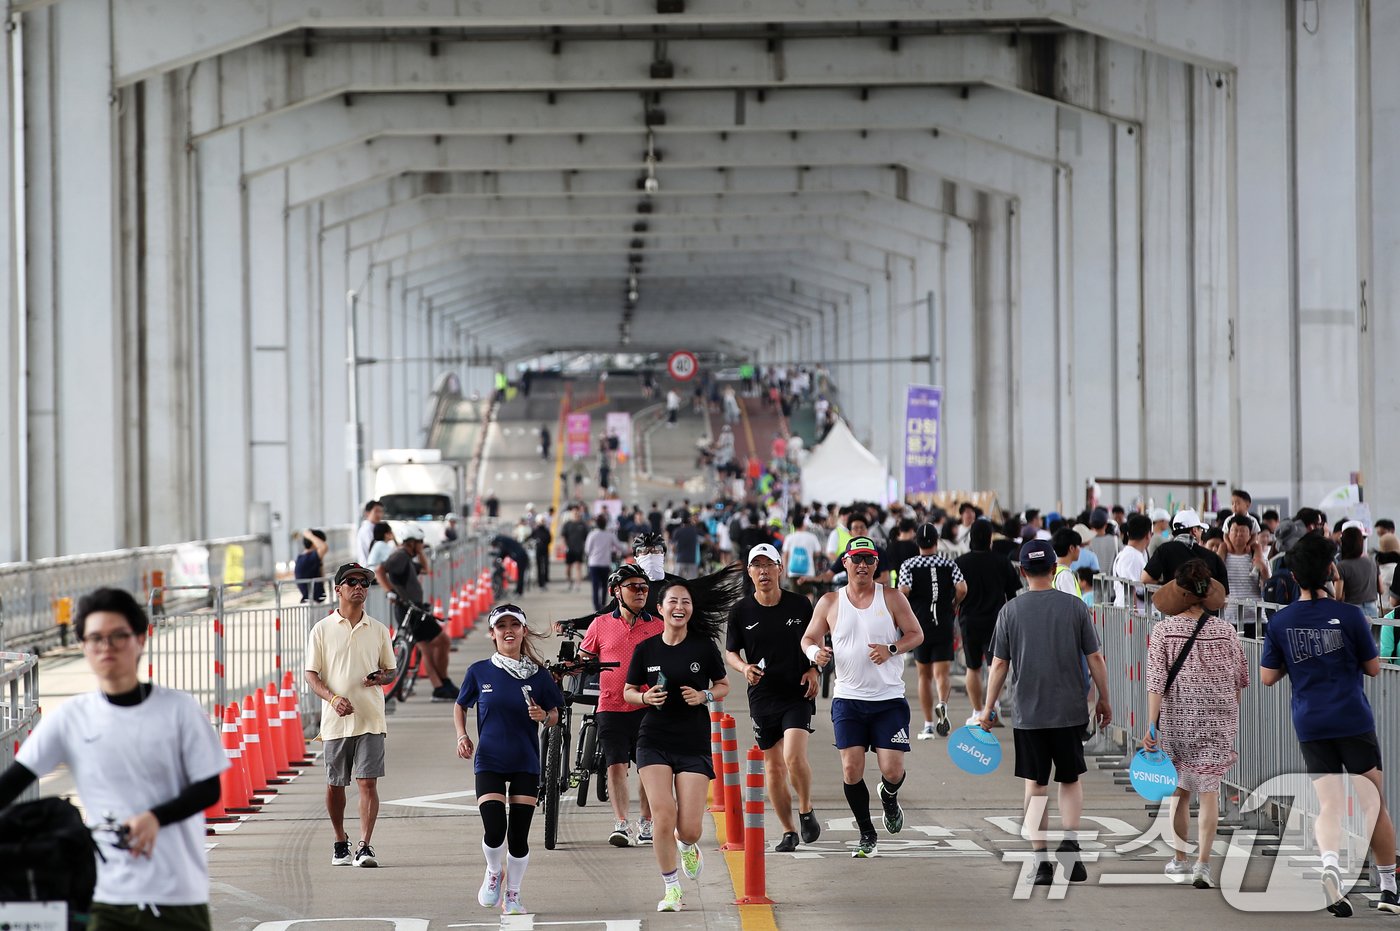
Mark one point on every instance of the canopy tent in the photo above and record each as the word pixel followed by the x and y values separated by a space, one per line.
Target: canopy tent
pixel 840 469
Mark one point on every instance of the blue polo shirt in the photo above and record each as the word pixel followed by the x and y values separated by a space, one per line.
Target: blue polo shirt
pixel 1321 645
pixel 507 740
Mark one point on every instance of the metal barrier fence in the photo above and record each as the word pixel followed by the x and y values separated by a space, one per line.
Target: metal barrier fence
pixel 1267 744
pixel 38 598
pixel 19 707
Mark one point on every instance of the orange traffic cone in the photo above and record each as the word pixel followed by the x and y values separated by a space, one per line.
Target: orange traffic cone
pixel 269 753
pixel 215 813
pixel 252 746
pixel 454 617
pixel 292 733
pixel 272 702
pixel 253 801
pixel 233 782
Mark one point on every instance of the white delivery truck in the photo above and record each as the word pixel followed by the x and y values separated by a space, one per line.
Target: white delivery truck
pixel 419 487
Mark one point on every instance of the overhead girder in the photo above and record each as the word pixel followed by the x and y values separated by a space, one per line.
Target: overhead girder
pixel 270 78
pixel 612 286
pixel 150 37
pixel 990 113
pixel 976 164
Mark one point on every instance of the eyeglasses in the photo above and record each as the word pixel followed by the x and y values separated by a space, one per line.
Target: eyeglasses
pixel 861 560
pixel 357 582
pixel 636 587
pixel 115 640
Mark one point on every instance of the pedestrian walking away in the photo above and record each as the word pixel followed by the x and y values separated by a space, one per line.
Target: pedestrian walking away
pixel 764 645
pixel 1195 671
pixel 934 585
pixel 143 753
pixel 992 581
pixel 398 575
pixel 340 649
pixel 1324 647
pixel 871 628
pixel 674 676
pixel 1043 636
pixel 513 693
pixel 612 638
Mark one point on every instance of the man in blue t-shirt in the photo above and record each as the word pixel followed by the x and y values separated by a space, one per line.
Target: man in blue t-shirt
pixel 1324 646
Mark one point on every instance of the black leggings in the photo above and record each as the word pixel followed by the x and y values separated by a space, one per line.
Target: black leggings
pixel 515 830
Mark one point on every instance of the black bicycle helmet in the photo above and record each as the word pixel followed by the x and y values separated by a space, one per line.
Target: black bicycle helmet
pixel 624 572
pixel 646 541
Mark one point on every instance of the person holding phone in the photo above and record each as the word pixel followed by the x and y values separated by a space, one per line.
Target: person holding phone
pixel 514 693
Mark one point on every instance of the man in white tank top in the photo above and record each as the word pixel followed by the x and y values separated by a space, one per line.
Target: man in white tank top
pixel 872 627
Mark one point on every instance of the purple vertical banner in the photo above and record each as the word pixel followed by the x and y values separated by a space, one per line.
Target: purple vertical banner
pixel 922 409
pixel 578 440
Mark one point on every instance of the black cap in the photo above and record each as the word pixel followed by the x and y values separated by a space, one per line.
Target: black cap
pixel 926 536
pixel 351 568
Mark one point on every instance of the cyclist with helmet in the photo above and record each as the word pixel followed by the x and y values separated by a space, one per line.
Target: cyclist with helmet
pixel 514 694
pixel 398 575
pixel 612 637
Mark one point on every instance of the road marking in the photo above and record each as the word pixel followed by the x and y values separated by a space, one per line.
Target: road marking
pixel 399 924
pixel 528 923
pixel 751 917
pixel 435 801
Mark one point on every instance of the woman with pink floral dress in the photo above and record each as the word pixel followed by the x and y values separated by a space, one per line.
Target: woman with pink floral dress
pixel 1198 717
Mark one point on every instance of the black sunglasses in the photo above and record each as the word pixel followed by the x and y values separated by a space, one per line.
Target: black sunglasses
pixel 357 581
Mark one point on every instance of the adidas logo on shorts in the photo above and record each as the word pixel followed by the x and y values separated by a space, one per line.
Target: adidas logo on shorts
pixel 901 738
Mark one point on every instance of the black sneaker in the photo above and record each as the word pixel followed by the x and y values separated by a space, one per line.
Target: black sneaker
pixel 445 692
pixel 894 815
pixel 364 856
pixel 1389 902
pixel 1074 867
pixel 866 848
pixel 1337 902
pixel 788 844
pixel 810 827
pixel 340 853
pixel 1044 874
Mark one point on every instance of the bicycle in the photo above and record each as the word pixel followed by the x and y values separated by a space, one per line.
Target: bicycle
pixel 406 658
pixel 579 684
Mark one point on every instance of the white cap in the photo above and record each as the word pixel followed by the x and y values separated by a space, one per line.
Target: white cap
pixel 505 611
pixel 765 549
pixel 1159 514
pixel 1187 519
pixel 1365 531
pixel 411 532
pixel 1085 534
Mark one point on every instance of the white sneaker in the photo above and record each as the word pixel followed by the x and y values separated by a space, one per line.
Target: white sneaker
pixel 926 733
pixel 1178 871
pixel 644 832
pixel 1201 878
pixel 940 713
pixel 621 835
pixel 513 904
pixel 489 895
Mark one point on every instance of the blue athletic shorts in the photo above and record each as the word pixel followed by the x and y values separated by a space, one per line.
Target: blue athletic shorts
pixel 871 724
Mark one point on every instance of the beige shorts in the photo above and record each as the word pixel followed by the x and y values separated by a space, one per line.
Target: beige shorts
pixel 358 757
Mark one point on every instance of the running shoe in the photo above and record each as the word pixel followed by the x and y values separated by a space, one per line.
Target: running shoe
pixel 940 714
pixel 926 733
pixel 788 844
pixel 671 902
pixel 444 692
pixel 865 849
pixel 1337 902
pixel 1389 902
pixel 513 904
pixel 340 854
pixel 692 860
pixel 1044 874
pixel 810 827
pixel 1201 878
pixel 1073 866
pixel 489 895
pixel 1178 871
pixel 364 856
pixel 644 832
pixel 894 815
pixel 620 836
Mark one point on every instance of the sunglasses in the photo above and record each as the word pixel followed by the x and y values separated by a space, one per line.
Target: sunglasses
pixel 862 560
pixel 637 587
pixel 356 582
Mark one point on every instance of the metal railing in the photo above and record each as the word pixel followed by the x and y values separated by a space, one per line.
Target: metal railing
pixel 19 707
pixel 38 598
pixel 1267 744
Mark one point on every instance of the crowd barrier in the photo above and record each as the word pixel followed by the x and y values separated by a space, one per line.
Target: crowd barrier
pixel 38 598
pixel 1267 745
pixel 19 707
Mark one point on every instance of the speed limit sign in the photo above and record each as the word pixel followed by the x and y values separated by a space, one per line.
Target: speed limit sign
pixel 682 365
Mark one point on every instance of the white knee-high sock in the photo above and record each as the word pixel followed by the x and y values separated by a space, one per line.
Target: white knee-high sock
pixel 515 872
pixel 495 857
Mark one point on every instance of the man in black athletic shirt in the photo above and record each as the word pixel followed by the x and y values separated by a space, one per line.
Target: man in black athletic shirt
pixel 767 626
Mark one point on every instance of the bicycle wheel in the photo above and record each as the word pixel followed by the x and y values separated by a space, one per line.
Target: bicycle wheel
pixel 403 653
pixel 410 676
pixel 553 785
pixel 588 742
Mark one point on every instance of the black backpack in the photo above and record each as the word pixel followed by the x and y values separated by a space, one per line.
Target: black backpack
pixel 47 854
pixel 1281 588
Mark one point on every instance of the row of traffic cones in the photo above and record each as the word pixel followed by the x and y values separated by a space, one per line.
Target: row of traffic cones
pixel 264 743
pixel 467 604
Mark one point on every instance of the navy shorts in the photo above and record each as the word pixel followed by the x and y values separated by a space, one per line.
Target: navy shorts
pixel 871 724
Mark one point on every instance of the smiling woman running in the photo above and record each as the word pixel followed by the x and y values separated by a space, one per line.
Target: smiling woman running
pixel 675 674
pixel 513 694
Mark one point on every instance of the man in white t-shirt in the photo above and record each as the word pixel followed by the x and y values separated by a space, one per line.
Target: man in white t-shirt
pixel 364 534
pixel 800 549
pixel 1132 558
pixel 146 754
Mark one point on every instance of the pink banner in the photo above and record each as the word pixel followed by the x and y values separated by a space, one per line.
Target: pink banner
pixel 578 433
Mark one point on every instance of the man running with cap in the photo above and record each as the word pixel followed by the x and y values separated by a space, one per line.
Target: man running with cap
pixel 767 627
pixel 871 629
pixel 934 585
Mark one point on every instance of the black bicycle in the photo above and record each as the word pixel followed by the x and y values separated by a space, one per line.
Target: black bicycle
pixel 406 658
pixel 578 680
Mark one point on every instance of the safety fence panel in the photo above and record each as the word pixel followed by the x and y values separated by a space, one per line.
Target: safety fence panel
pixel 19 707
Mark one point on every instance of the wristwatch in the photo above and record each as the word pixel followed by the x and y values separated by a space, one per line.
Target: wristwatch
pixel 709 696
pixel 894 648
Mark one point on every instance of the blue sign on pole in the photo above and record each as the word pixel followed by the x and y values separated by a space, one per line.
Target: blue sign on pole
pixel 922 414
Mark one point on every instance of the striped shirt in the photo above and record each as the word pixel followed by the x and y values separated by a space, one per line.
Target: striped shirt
pixel 932 581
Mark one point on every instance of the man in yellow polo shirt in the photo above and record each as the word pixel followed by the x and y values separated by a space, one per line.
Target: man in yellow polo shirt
pixel 347 654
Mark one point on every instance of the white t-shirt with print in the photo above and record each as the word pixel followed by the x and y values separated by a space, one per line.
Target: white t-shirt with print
pixel 126 760
pixel 800 550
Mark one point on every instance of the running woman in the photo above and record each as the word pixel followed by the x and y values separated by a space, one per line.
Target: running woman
pixel 871 628
pixel 675 675
pixel 767 627
pixel 934 585
pixel 513 693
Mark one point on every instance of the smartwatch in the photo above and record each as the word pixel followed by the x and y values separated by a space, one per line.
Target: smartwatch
pixel 709 696
pixel 894 648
